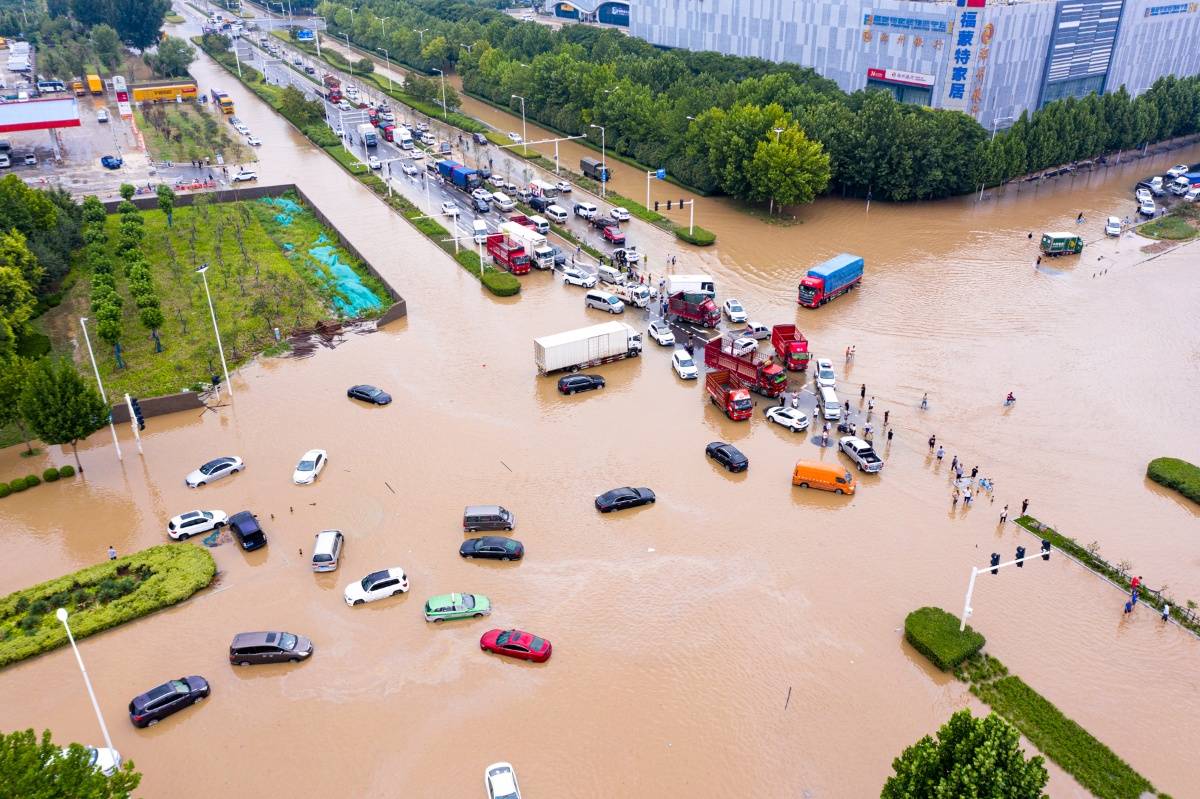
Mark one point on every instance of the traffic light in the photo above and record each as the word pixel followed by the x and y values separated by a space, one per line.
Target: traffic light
pixel 995 563
pixel 1045 549
pixel 1020 555
pixel 668 205
pixel 656 205
pixel 137 413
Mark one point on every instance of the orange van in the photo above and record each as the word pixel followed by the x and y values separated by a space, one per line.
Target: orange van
pixel 826 476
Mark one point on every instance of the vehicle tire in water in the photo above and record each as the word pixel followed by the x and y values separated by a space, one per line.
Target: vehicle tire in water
pixel 838 491
pixel 804 485
pixel 243 663
pixel 438 621
pixel 186 536
pixel 152 722
pixel 506 560
pixel 358 602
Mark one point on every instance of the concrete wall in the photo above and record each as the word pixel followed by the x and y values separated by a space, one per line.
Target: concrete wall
pixel 157 406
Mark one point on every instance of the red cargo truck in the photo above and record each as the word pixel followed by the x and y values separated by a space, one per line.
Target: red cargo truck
pixel 521 219
pixel 729 395
pixel 791 346
pixel 762 376
pixel 508 253
pixel 696 308
pixel 333 85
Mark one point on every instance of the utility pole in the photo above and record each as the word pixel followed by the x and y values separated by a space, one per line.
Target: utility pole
pixel 995 567
pixel 100 383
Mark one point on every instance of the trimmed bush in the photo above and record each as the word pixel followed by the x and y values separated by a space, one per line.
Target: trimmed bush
pixel 699 236
pixel 18 485
pixel 50 475
pixel 67 471
pixel 934 633
pixel 502 284
pixel 125 589
pixel 32 480
pixel 4 490
pixel 1178 474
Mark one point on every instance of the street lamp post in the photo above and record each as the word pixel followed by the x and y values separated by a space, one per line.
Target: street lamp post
pixel 388 60
pixel 468 46
pixel 524 134
pixel 203 270
pixel 383 24
pixel 61 613
pixel 421 33
pixel 103 396
pixel 445 113
pixel 604 163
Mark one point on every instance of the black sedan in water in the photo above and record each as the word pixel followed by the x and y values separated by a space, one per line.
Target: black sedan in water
pixel 494 547
pixel 622 498
pixel 156 704
pixel 572 383
pixel 376 396
pixel 728 456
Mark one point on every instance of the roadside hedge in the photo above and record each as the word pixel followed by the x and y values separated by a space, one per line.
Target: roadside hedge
pixel 934 633
pixel 99 597
pixel 699 236
pixel 1178 474
pixel 50 475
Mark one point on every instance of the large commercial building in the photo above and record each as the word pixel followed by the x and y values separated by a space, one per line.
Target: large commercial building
pixel 992 59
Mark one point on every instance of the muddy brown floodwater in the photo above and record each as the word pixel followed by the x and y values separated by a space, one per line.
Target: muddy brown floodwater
pixel 680 628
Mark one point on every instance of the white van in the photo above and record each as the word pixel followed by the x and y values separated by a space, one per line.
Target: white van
pixel 608 274
pixel 540 224
pixel 831 408
pixel 1192 194
pixel 480 229
pixel 603 301
pixel 502 202
pixel 556 214
pixel 586 210
pixel 327 550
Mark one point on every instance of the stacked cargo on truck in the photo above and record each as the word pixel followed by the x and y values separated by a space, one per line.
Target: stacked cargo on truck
pixel 508 253
pixel 791 346
pixel 535 244
pixel 761 375
pixel 586 346
pixel 830 279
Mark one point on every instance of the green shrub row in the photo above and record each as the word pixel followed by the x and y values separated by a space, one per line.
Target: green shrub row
pixel 29 481
pixel 1096 767
pixel 1178 474
pixel 699 236
pixel 934 633
pixel 99 597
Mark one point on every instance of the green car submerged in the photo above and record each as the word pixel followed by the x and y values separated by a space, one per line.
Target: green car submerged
pixel 457 606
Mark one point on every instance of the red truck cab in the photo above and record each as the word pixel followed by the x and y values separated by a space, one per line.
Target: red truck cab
pixel 508 253
pixel 696 308
pixel 791 346
pixel 729 395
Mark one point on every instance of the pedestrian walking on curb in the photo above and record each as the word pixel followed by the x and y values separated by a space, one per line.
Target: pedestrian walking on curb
pixel 954 463
pixel 941 453
pixel 925 401
pixel 112 553
pixel 886 414
pixel 1004 515
pixel 890 434
pixel 1024 507
pixel 932 442
pixel 1166 612
pixel 862 393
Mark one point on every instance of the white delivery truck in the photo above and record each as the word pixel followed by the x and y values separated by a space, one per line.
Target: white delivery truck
pixel 587 346
pixel 367 134
pixel 539 250
pixel 692 284
pixel 404 138
pixel 633 294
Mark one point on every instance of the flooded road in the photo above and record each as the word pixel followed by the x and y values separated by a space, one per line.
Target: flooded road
pixel 679 628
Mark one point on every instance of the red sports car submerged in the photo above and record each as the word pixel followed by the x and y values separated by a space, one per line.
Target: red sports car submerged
pixel 516 644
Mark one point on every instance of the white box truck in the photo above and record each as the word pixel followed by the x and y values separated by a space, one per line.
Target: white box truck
pixel 587 346
pixel 535 244
pixel 367 134
pixel 404 138
pixel 692 284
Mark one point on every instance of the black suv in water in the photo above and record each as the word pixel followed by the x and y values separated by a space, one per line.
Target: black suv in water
pixel 572 383
pixel 158 703
pixel 728 456
pixel 246 530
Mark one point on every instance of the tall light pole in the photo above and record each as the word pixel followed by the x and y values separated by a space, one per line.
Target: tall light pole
pixel 604 160
pixel 61 613
pixel 524 134
pixel 103 396
pixel 470 47
pixel 445 113
pixel 203 271
pixel 388 59
pixel 421 33
pixel 383 24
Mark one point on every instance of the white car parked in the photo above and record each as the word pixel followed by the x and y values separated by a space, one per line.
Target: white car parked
pixel 563 186
pixel 514 137
pixel 1143 195
pixel 734 310
pixel 1147 208
pixel 482 194
pixel 186 525
pixel 684 365
pixel 245 175
pixel 661 332
pixel 619 214
pixel 1177 170
pixel 214 470
pixel 253 140
pixel 824 375
pixel 310 466
pixel 578 277
pixel 377 585
pixel 374 162
pixel 449 208
pixel 501 782
pixel 242 128
pixel 496 181
pixel 409 168
pixel 791 418
pixel 1112 227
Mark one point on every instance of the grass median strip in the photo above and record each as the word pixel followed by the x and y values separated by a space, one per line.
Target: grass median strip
pixel 934 633
pixel 100 597
pixel 1178 474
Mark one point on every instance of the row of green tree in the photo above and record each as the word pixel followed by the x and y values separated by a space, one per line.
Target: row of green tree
pixel 703 116
pixel 137 22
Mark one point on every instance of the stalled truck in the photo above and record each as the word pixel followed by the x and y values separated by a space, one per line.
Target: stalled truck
pixel 830 279
pixel 585 347
pixel 594 169
pixel 729 395
pixel 699 309
pixel 535 244
pixel 462 177
pixel 791 346
pixel 367 134
pixel 508 253
pixel 693 284
pixel 760 375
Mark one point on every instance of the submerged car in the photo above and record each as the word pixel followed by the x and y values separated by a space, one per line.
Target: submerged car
pixel 1112 227
pixel 501 782
pixel 149 708
pixel 186 525
pixel 684 365
pixel 728 456
pixel 791 418
pixel 457 606
pixel 492 547
pixel 661 332
pixel 214 470
pixel 574 383
pixel 516 644
pixel 371 394
pixel 310 466
pixel 622 498
pixel 271 647
pixel 377 585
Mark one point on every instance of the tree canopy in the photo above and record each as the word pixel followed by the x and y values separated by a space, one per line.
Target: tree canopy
pixel 172 58
pixel 972 757
pixel 30 767
pixel 60 407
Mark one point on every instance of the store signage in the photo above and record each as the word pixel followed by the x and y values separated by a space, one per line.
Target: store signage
pixel 900 76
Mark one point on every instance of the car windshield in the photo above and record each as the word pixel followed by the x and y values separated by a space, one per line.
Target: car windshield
pixel 373 392
pixel 826 374
pixel 686 362
pixel 537 644
pixel 287 641
pixel 506 636
pixel 306 466
pixel 733 306
pixel 211 466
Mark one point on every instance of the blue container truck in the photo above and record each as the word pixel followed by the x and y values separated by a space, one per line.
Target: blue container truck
pixel 828 280
pixel 463 177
